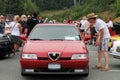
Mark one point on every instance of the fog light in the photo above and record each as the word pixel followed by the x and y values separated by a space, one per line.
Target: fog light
pixel 29 70
pixel 78 70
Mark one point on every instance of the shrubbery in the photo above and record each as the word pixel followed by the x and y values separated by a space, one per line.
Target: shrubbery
pixel 80 10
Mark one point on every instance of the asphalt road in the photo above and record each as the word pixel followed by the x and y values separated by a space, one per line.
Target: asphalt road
pixel 10 70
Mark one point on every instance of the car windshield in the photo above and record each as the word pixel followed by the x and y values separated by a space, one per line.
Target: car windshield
pixel 54 33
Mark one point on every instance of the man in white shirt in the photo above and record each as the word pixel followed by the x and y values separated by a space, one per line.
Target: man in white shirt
pixel 84 25
pixel 109 23
pixel 102 40
pixel 110 26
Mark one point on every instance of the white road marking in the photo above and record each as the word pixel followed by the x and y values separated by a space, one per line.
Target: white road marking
pixel 109 59
pixel 115 70
pixel 92 51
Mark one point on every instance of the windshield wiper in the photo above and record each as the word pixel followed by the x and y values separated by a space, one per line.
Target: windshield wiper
pixel 36 39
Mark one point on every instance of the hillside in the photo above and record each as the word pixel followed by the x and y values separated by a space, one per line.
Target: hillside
pixel 104 8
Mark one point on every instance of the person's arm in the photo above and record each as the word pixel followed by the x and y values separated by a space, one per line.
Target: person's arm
pixel 20 27
pixel 101 34
pixel 100 37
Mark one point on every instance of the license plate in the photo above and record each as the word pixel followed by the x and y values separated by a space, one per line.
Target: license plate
pixel 54 66
pixel 118 49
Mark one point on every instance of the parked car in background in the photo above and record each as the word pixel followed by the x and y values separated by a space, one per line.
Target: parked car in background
pixel 112 39
pixel 115 50
pixel 6 45
pixel 54 49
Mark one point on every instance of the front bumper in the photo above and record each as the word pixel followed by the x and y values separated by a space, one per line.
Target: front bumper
pixel 67 67
pixel 56 72
pixel 71 64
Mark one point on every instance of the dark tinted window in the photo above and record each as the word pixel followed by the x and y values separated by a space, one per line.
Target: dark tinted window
pixel 55 33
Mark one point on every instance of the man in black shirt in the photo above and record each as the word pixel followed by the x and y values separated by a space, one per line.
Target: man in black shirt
pixel 23 22
pixel 40 19
pixel 31 23
pixel 2 24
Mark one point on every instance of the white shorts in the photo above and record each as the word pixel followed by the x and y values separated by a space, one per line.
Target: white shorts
pixel 104 45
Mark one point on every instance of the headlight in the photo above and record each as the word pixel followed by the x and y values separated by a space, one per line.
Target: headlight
pixel 29 56
pixel 79 56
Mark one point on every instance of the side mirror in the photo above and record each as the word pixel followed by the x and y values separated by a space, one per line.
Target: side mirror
pixel 87 37
pixel 23 37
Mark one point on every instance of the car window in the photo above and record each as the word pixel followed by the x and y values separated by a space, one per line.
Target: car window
pixel 55 33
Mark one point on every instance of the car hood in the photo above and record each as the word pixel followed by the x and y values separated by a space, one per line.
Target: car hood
pixel 117 42
pixel 44 47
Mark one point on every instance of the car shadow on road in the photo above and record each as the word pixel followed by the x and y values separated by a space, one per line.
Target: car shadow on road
pixel 4 58
pixel 115 66
pixel 9 58
pixel 54 77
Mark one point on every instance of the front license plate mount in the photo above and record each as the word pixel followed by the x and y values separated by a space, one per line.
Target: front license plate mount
pixel 54 66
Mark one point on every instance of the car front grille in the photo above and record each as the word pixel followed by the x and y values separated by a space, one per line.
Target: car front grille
pixel 48 70
pixel 44 58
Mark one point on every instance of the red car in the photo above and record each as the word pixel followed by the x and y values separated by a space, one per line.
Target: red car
pixel 54 49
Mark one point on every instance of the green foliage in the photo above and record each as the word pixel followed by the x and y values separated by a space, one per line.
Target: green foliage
pixel 118 8
pixel 70 10
pixel 86 6
pixel 53 4
pixel 1 7
pixel 29 7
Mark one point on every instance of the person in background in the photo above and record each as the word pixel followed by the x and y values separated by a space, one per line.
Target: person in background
pixel 110 26
pixel 28 17
pixel 102 40
pixel 23 23
pixel 69 21
pixel 84 24
pixel 46 20
pixel 109 23
pixel 76 23
pixel 2 24
pixel 31 23
pixel 15 32
pixel 40 19
pixel 93 34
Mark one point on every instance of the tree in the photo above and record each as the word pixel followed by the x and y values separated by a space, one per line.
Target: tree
pixel 53 4
pixel 118 8
pixel 2 7
pixel 29 7
pixel 14 7
pixel 75 2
